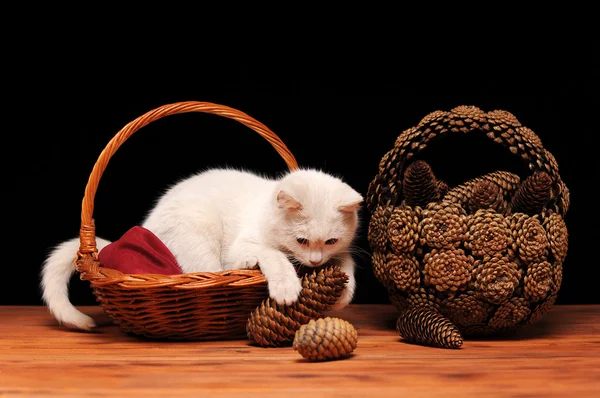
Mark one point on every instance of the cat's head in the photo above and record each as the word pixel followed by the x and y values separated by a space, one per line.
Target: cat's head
pixel 315 216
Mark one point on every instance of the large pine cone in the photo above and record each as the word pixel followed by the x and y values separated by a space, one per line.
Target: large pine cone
pixel 482 257
pixel 272 324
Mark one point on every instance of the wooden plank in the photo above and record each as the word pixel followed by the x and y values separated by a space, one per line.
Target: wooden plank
pixel 560 356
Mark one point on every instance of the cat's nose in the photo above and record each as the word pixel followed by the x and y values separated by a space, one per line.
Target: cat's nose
pixel 313 262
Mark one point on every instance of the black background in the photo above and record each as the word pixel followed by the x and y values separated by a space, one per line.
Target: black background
pixel 338 116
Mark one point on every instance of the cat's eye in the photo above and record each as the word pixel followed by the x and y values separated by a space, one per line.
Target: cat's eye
pixel 331 241
pixel 302 241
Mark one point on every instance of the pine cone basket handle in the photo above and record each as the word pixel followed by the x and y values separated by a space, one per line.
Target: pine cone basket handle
pixel 500 126
pixel 86 262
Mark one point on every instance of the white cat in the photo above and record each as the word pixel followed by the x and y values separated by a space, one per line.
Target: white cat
pixel 224 219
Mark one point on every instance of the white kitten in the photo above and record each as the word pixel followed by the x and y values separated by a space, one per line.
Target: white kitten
pixel 229 219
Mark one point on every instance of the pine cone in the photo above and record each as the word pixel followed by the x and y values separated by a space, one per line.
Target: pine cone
pixel 325 339
pixel 507 182
pixel 272 324
pixel 558 276
pixel 533 194
pixel 558 236
pixel 404 271
pixel 496 278
pixel 509 314
pixel 448 270
pixel 443 226
pixel 443 188
pixel 378 227
pixel 403 229
pixel 529 238
pixel 487 195
pixel 538 281
pixel 542 309
pixel 425 297
pixel 419 184
pixel 529 138
pixel 500 117
pixel 488 233
pixel 381 269
pixel 421 325
pixel 466 310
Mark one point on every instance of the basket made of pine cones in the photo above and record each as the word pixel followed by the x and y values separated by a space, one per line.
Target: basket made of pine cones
pixel 479 258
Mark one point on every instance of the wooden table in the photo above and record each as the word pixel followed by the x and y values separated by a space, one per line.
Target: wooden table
pixel 560 356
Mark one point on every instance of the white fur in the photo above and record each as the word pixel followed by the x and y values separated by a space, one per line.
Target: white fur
pixel 230 219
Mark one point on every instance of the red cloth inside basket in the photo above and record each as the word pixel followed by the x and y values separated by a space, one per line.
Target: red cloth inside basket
pixel 139 251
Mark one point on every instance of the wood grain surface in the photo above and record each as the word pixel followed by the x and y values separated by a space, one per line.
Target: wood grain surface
pixel 558 357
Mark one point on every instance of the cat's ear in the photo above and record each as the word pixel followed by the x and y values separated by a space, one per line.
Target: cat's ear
pixel 351 204
pixel 286 201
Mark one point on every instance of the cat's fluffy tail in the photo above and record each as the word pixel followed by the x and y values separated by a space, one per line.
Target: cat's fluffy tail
pixel 56 275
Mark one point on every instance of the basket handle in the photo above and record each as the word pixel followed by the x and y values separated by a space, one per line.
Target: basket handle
pixel 87 235
pixel 500 126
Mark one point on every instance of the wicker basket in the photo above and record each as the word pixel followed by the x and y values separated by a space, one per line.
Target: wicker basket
pixel 482 257
pixel 193 306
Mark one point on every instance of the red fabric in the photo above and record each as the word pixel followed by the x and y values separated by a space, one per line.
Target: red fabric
pixel 139 251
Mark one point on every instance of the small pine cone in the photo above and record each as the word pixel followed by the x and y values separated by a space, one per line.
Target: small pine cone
pixel 466 310
pixel 533 194
pixel 381 269
pixel 424 326
pixel 542 309
pixel 487 195
pixel 510 314
pixel 325 339
pixel 404 271
pixel 377 234
pixel 538 281
pixel 419 184
pixel 557 235
pixel 273 324
pixel 403 230
pixel 442 188
pixel 488 233
pixel 495 278
pixel 444 225
pixel 448 270
pixel 499 117
pixel 425 297
pixel 529 237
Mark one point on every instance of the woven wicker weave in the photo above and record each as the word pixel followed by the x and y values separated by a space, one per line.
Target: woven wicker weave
pixel 193 306
pixel 485 256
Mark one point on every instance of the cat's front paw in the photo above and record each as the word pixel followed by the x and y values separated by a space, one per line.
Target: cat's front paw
pixel 285 291
pixel 247 262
